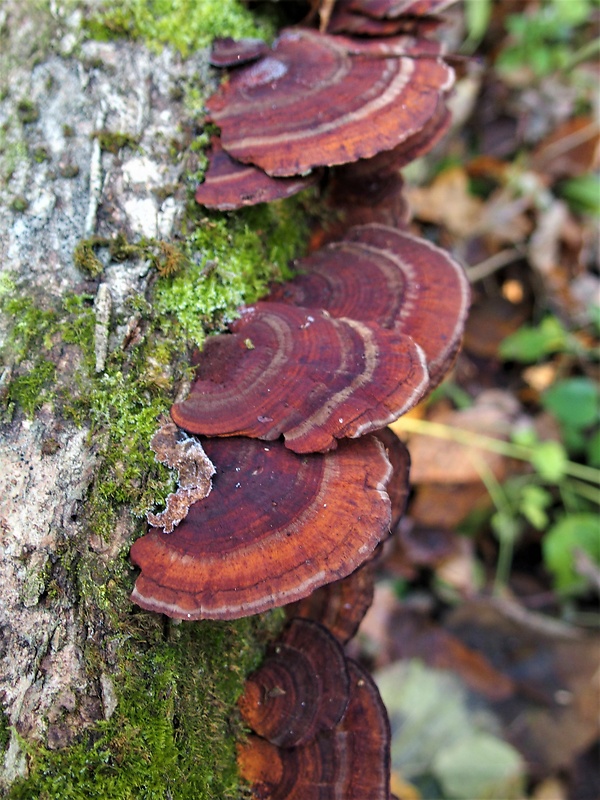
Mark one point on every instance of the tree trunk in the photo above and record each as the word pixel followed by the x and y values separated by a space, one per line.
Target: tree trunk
pixel 98 700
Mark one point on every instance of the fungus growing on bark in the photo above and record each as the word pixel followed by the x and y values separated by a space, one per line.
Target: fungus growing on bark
pixel 299 372
pixel 228 184
pixel 339 606
pixel 379 273
pixel 275 527
pixel 300 689
pixel 185 454
pixel 352 761
pixel 311 102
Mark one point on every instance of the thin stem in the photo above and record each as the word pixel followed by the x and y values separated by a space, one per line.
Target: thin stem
pixel 489 443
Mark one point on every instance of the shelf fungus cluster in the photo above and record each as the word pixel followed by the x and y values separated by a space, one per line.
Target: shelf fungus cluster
pixel 289 479
pixel 291 406
pixel 315 100
pixel 320 727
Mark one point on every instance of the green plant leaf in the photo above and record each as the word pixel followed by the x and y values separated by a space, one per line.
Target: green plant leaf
pixel 531 343
pixel 573 532
pixel 582 193
pixel 533 502
pixel 549 459
pixel 574 402
pixel 480 766
pixel 477 18
pixel 593 449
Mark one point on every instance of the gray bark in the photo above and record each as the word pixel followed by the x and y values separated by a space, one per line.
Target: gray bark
pixel 78 190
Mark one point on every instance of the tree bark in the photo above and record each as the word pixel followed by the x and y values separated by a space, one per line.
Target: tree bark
pixel 59 653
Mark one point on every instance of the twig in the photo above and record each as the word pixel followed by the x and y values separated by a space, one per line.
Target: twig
pixel 490 265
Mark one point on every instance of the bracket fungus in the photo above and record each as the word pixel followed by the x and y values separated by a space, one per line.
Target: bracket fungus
pixel 311 102
pixel 398 486
pixel 300 689
pixel 228 52
pixel 380 273
pixel 339 606
pixel 352 761
pixel 301 373
pixel 228 184
pixel 275 527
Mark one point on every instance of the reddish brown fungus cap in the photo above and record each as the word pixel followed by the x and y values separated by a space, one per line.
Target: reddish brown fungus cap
pixel 398 486
pixel 275 527
pixel 378 272
pixel 299 372
pixel 339 606
pixel 228 52
pixel 351 762
pixel 311 102
pixel 229 184
pixel 300 689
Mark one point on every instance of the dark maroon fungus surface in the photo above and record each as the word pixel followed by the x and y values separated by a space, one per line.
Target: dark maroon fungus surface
pixel 275 527
pixel 380 273
pixel 229 184
pixel 228 52
pixel 300 689
pixel 352 761
pixel 311 102
pixel 339 606
pixel 301 373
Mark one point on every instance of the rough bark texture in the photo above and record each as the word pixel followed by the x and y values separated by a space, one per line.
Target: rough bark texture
pixel 60 184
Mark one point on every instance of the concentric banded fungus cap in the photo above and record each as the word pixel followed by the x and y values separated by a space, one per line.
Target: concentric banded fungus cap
pixel 275 527
pixel 398 486
pixel 339 606
pixel 389 162
pixel 301 688
pixel 312 103
pixel 386 17
pixel 351 762
pixel 228 52
pixel 229 184
pixel 378 272
pixel 298 372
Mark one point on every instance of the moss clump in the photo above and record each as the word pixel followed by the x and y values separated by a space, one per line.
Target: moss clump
pixel 231 260
pixel 27 111
pixel 4 730
pixel 172 733
pixel 113 141
pixel 86 259
pixel 32 389
pixel 19 204
pixel 184 24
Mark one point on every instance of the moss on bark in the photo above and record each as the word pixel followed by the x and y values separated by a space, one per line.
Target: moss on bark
pixel 155 716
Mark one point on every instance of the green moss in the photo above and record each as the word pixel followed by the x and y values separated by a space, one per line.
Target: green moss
pixel 27 111
pixel 113 141
pixel 32 389
pixel 173 731
pixel 186 25
pixel 4 730
pixel 86 259
pixel 231 259
pixel 19 204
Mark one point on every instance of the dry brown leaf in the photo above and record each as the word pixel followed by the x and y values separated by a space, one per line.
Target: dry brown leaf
pixel 572 149
pixel 448 202
pixel 493 414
